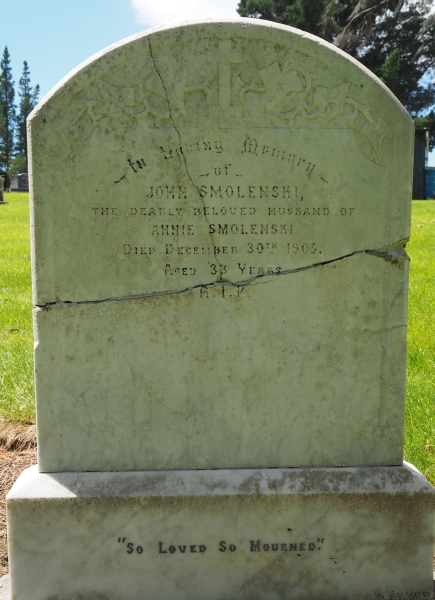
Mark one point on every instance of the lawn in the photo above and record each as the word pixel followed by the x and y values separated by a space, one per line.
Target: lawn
pixel 420 391
pixel 16 360
pixel 16 337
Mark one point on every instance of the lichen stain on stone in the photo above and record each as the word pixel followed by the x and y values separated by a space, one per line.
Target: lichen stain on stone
pixel 400 508
pixel 274 582
pixel 85 596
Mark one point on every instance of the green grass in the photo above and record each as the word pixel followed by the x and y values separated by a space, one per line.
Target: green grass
pixel 420 391
pixel 16 336
pixel 16 358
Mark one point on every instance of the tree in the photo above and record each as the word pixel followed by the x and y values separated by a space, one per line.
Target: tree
pixel 7 111
pixel 395 39
pixel 18 165
pixel 28 101
pixel 303 14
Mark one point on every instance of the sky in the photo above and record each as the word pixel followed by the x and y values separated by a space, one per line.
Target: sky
pixel 55 36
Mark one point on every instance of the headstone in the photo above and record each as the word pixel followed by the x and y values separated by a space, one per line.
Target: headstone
pixel 219 215
pixel 14 183
pixel 2 189
pixel 421 151
pixel 20 182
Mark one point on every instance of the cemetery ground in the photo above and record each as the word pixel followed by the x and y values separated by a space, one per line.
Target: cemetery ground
pixel 17 412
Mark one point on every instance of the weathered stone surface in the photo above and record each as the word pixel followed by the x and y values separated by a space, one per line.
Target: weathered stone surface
pixel 207 535
pixel 212 152
pixel 4 588
pixel 241 190
pixel 304 368
pixel 219 213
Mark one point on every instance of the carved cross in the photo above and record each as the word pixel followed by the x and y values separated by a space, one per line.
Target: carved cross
pixel 224 58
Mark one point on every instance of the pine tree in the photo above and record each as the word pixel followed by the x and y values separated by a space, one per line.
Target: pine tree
pixel 28 101
pixel 7 110
pixel 395 39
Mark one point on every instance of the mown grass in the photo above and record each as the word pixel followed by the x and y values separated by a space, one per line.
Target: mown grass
pixel 420 391
pixel 16 339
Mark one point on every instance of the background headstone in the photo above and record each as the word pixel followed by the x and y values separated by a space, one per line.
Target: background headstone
pixel 20 182
pixel 2 199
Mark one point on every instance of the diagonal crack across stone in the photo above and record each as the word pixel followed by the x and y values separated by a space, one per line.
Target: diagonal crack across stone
pixel 195 185
pixel 394 253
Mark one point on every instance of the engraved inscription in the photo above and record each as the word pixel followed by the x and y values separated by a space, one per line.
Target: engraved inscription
pixel 252 228
pixel 251 146
pixel 298 547
pixel 223 291
pixel 261 548
pixel 227 220
pixel 203 146
pixel 192 548
pixel 137 164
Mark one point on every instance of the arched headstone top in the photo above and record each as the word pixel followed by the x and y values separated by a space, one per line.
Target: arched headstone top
pixel 182 123
pixel 219 213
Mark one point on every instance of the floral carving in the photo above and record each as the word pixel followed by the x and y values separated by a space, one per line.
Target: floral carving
pixel 146 96
pixel 335 104
pixel 279 83
pixel 330 101
pixel 158 93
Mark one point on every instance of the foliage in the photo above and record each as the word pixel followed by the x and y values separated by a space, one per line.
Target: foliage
pixel 7 111
pixel 427 122
pixel 13 133
pixel 303 14
pixel 395 39
pixel 18 165
pixel 28 101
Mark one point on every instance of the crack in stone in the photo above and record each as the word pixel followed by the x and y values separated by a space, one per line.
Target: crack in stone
pixel 385 330
pixel 390 254
pixel 394 253
pixel 219 280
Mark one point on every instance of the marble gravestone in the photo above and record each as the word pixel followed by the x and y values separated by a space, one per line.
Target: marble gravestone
pixel 219 215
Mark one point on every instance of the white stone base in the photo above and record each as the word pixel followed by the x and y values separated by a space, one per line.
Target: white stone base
pixel 269 534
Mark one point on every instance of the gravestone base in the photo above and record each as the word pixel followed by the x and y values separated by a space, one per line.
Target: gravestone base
pixel 330 533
